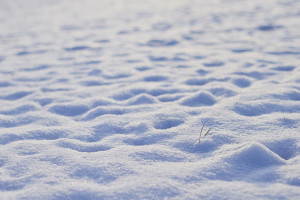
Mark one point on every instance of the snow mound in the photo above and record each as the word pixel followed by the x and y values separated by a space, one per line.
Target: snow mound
pixel 142 99
pixel 255 156
pixel 200 99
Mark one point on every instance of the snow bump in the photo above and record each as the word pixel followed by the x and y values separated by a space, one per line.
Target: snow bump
pixel 142 99
pixel 200 99
pixel 255 156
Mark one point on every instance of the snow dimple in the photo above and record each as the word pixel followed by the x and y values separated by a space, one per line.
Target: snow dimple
pixel 44 101
pixel 284 53
pixel 292 95
pixel 255 74
pixel 214 64
pixel 27 53
pixel 46 134
pixel 200 82
pixel 155 78
pixel 19 110
pixel 37 68
pixel 161 26
pixel 69 110
pixel 268 27
pixel 161 43
pixel 49 134
pixel 255 110
pixel 8 138
pixel 161 91
pixel 158 58
pixel 77 48
pixel 81 146
pixel 17 121
pixel 89 62
pixel 287 122
pixel 116 76
pixel 200 99
pixel 166 123
pixel 48 89
pixel 202 72
pixel 197 81
pixel 159 156
pixel 143 68
pixel 220 91
pixel 16 95
pixel 5 84
pixel 13 185
pixel 263 108
pixel 105 129
pixel 169 98
pixel 286 148
pixel 243 50
pixel 284 68
pixel 95 72
pixel 103 174
pixel 149 139
pixel 91 83
pixel 242 82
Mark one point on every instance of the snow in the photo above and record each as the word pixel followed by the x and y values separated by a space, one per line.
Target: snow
pixel 106 99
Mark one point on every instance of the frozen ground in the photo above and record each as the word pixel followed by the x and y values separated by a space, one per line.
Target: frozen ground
pixel 106 99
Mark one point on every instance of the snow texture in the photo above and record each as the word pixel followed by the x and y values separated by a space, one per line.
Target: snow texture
pixel 106 99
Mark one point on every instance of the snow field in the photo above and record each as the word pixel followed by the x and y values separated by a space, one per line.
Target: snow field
pixel 106 99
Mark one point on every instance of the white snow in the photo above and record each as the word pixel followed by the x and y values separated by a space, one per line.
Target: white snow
pixel 106 99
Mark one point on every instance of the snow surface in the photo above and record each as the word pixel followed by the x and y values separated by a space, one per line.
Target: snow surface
pixel 106 99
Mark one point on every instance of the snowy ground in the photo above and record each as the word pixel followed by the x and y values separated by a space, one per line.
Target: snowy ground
pixel 106 99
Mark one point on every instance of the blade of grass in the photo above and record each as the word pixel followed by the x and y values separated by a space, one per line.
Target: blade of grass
pixel 201 132
pixel 207 132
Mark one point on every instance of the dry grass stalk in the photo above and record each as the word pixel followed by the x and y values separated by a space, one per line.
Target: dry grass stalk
pixel 202 131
